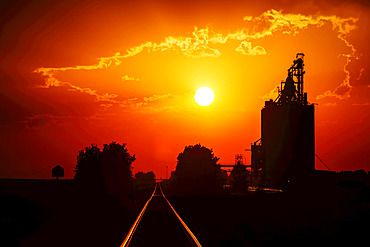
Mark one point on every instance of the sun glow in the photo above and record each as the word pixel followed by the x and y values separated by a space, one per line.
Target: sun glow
pixel 204 96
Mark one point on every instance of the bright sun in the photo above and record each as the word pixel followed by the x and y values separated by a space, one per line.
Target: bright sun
pixel 204 96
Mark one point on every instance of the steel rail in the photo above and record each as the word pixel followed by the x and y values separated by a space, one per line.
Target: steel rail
pixel 130 234
pixel 128 238
pixel 181 221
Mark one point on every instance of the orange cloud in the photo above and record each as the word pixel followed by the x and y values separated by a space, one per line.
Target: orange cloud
pixel 104 62
pixel 201 43
pixel 51 81
pixel 195 46
pixel 330 104
pixel 273 94
pixel 246 49
pixel 362 104
pixel 275 21
pixel 156 97
pixel 128 78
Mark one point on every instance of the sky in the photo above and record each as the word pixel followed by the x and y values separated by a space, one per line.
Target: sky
pixel 73 73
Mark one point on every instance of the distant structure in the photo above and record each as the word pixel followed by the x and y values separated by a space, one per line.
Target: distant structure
pixel 57 172
pixel 286 151
pixel 239 161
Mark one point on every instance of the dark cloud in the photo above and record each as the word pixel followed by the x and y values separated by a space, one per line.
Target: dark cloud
pixel 39 121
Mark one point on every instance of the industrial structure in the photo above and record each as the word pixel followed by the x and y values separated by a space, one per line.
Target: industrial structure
pixel 285 153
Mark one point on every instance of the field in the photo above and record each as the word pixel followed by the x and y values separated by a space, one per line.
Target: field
pixel 55 213
pixel 272 219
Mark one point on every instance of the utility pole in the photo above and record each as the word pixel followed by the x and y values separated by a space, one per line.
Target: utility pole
pixel 166 172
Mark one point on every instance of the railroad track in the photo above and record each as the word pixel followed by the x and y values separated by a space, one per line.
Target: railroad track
pixel 158 224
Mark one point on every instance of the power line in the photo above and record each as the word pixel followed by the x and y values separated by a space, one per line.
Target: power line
pixel 322 162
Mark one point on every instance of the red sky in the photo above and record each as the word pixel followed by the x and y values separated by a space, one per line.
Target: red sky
pixel 74 73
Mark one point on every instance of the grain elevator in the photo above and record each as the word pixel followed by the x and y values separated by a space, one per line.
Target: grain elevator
pixel 285 154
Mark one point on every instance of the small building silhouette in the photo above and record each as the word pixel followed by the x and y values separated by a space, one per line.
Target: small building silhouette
pixel 57 172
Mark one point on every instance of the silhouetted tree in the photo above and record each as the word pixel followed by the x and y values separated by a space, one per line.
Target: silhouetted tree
pixel 239 176
pixel 106 170
pixel 145 181
pixel 197 170
pixel 89 171
pixel 117 167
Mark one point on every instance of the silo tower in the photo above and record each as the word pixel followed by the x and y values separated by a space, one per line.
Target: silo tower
pixel 288 132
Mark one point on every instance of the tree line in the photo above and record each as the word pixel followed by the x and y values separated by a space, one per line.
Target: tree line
pixel 109 170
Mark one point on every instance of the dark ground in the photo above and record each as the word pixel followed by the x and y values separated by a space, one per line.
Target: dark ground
pixel 37 213
pixel 277 219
